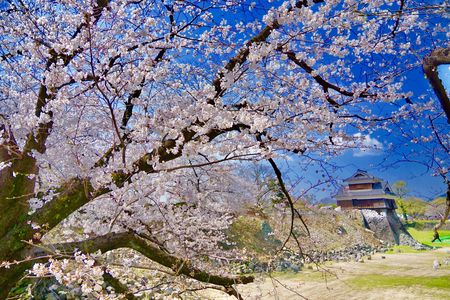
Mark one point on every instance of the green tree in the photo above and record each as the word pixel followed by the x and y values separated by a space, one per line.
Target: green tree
pixel 401 190
pixel 276 194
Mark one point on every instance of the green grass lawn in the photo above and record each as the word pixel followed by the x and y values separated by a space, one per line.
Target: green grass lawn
pixel 425 237
pixel 383 281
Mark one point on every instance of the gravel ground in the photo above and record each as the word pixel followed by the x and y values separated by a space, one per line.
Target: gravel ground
pixel 409 273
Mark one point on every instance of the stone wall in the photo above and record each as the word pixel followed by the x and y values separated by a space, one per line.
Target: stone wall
pixel 387 227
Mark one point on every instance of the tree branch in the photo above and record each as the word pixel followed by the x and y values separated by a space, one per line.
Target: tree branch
pixel 294 211
pixel 150 250
pixel 118 286
pixel 244 52
pixel 37 141
pixel 77 192
pixel 430 64
pixel 321 81
pixel 446 214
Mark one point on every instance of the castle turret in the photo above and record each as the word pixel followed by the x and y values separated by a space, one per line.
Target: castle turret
pixel 376 202
pixel 364 191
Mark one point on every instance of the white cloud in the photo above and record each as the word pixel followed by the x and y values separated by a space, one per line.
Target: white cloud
pixel 368 146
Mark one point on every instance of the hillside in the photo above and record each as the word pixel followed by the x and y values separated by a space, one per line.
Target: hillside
pixel 329 231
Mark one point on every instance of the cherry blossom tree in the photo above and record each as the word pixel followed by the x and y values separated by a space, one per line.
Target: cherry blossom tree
pixel 128 117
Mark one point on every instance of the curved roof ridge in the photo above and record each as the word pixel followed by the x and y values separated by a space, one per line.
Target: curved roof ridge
pixel 362 175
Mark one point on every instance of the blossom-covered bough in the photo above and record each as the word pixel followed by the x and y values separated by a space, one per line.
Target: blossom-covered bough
pixel 127 118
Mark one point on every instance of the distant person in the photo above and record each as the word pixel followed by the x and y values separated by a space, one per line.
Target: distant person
pixel 436 237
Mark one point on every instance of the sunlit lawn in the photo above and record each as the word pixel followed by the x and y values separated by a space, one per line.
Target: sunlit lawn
pixel 426 236
pixel 380 281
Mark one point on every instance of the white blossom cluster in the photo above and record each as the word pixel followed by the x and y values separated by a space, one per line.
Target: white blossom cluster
pixel 81 273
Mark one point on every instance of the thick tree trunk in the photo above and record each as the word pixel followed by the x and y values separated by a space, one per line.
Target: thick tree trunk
pixel 9 277
pixel 15 221
pixel 446 213
pixel 439 56
pixel 16 187
pixel 430 64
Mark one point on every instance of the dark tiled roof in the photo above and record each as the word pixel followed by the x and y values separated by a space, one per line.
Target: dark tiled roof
pixel 381 187
pixel 356 193
pixel 362 176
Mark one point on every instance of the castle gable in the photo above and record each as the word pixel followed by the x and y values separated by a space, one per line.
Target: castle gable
pixel 365 191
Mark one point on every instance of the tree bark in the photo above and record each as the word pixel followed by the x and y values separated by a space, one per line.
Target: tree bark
pixel 111 241
pixel 438 57
pixel 150 250
pixel 446 213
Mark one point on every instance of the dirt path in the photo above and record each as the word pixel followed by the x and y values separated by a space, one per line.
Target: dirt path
pixel 397 276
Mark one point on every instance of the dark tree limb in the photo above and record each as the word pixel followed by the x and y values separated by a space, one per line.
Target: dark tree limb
pixel 37 141
pixel 431 63
pixel 438 57
pixel 326 85
pixel 397 21
pixel 150 250
pixel 118 286
pixel 294 211
pixel 446 213
pixel 243 53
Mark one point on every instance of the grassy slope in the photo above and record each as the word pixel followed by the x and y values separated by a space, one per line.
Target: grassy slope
pixel 426 224
pixel 248 233
pixel 329 230
pixel 425 237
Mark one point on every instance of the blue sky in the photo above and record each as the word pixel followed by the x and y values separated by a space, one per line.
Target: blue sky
pixel 420 181
pixel 384 163
pixel 381 163
pixel 444 73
